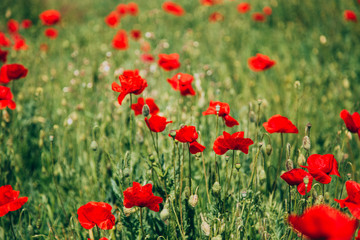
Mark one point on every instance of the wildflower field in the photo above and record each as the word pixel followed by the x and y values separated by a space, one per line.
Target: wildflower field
pixel 201 119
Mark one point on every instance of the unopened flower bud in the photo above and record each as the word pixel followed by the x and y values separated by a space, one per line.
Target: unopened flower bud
pixel 217 108
pixel 126 172
pixel 306 143
pixel 289 164
pixel 94 145
pixel 129 211
pixel 216 188
pixel 151 158
pixel 319 200
pixel 30 230
pixel 193 200
pixel 268 149
pixel 145 110
pixel 205 227
pixel 288 150
pixel 301 159
pixel 165 215
pixel 327 196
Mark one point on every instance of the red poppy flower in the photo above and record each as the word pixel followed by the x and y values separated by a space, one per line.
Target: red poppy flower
pixel 352 202
pixel 147 58
pixel 352 122
pixel 350 16
pixel 182 82
pixel 9 199
pixel 321 166
pixel 280 124
pixel 156 123
pixel 137 107
pixel 210 2
pixel 141 196
pixel 132 8
pixel 296 177
pixel 50 17
pixel 169 61
pixel 135 34
pixel 13 26
pixel 121 9
pixel 258 17
pixel 260 63
pixel 234 141
pixel 215 17
pixel 96 213
pixel 26 23
pixel 267 10
pixel 324 222
pixel 120 40
pixel 173 8
pixel 19 43
pixel 243 7
pixel 188 134
pixel 224 113
pixel 10 72
pixel 131 82
pixel 51 33
pixel 6 98
pixel 113 19
pixel 3 55
pixel 4 41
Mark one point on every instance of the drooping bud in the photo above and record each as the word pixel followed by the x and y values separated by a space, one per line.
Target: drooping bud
pixel 288 150
pixel 306 143
pixel 268 149
pixel 151 158
pixel 129 211
pixel 205 227
pixel 216 188
pixel 301 159
pixel 30 230
pixel 165 215
pixel 94 145
pixel 193 200
pixel 319 200
pixel 145 110
pixel 126 172
pixel 289 164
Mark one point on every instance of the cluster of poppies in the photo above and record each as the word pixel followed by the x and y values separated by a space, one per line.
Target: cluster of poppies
pixel 50 18
pixel 245 7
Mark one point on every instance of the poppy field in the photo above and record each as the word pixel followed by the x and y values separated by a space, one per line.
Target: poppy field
pixel 203 119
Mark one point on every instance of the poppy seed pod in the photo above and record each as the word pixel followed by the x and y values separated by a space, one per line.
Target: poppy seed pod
pixel 306 143
pixel 306 181
pixel 217 109
pixel 145 110
pixel 94 145
pixel 238 166
pixel 268 149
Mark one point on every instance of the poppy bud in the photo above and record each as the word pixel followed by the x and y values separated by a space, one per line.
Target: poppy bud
pixel 193 200
pixel 94 145
pixel 306 143
pixel 288 150
pixel 348 176
pixel 227 157
pixel 301 159
pixel 145 110
pixel 173 134
pixel 30 230
pixel 243 194
pixel 126 172
pixel 217 108
pixel 218 237
pixel 260 144
pixel 151 158
pixel 165 215
pixel 216 188
pixel 262 175
pixel 319 200
pixel 289 164
pixel 327 196
pixel 205 227
pixel 238 166
pixel 268 149
pixel 129 211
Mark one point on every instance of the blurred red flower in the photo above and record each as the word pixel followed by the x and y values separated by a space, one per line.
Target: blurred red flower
pixel 26 23
pixel 296 177
pixel 141 196
pixel 44 47
pixel 223 112
pixel 3 55
pixel 131 82
pixel 13 26
pixel 173 8
pixel 169 61
pixel 145 46
pixel 188 134
pixel 120 40
pixel 51 33
pixel 243 7
pixel 352 202
pixel 358 236
pixel 9 198
pixel 210 2
pixel 280 124
pixel 135 34
pixel 121 9
pixel 19 43
pixel 4 41
pixel 324 222
pixel 50 17
pixel 235 141
pixel 156 123
pixel 113 19
pixel 147 58
pixel 352 122
pixel 260 63
pixel 10 72
pixel 132 8
pixel 6 99
pixel 267 10
pixel 321 166
pixel 182 82
pixel 258 17
pixel 215 17
pixel 350 16
pixel 96 213
pixel 137 107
